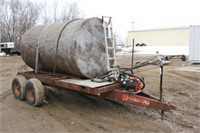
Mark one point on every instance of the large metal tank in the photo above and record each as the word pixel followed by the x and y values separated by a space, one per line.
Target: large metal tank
pixel 76 47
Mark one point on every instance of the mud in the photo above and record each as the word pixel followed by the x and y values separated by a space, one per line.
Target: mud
pixel 67 111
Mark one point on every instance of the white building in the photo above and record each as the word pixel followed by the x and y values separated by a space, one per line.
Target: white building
pixel 178 36
pixel 168 41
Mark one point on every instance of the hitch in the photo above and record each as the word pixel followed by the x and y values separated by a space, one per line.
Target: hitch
pixel 132 86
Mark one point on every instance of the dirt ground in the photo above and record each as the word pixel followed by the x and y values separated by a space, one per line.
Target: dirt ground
pixel 68 111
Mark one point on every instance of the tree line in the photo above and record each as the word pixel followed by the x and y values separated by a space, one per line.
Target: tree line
pixel 17 16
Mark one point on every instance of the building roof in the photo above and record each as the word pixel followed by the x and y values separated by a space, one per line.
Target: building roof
pixel 167 28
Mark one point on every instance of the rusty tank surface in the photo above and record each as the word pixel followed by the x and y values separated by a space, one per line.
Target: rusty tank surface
pixel 75 47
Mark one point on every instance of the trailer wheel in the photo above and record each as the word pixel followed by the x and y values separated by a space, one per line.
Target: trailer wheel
pixel 183 58
pixel 166 58
pixel 34 92
pixel 137 44
pixel 18 87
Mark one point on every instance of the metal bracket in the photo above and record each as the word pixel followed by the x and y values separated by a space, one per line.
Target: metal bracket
pixel 37 50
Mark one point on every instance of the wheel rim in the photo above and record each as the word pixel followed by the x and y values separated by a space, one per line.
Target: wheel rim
pixel 16 89
pixel 31 94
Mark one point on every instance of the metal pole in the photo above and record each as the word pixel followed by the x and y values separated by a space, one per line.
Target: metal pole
pixel 132 54
pixel 133 25
pixel 161 89
pixel 132 57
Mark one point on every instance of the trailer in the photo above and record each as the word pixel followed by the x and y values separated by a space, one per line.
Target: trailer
pixel 182 57
pixel 6 47
pixel 9 48
pixel 117 84
pixel 127 89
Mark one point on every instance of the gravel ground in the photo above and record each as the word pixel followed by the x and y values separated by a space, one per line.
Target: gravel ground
pixel 68 111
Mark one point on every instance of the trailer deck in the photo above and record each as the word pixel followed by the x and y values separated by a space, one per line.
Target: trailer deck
pixel 72 83
pixel 108 90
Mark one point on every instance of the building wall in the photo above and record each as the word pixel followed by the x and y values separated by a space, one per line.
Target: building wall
pixel 194 47
pixel 170 37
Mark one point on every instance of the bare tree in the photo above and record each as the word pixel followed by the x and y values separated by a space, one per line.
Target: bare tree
pixel 1 17
pixel 45 18
pixel 55 11
pixel 16 17
pixel 67 11
pixel 70 11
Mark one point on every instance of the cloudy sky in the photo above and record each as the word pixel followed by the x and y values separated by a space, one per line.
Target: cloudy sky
pixel 146 14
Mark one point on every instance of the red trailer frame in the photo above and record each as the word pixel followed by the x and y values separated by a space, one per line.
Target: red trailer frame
pixel 108 90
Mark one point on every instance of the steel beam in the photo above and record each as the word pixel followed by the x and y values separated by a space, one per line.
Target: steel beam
pixel 125 97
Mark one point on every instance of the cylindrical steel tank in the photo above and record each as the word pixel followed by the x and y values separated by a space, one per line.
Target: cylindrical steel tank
pixel 76 47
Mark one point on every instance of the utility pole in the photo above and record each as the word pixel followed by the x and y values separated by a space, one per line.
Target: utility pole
pixel 133 25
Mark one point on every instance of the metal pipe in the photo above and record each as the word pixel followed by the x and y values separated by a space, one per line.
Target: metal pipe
pixel 161 88
pixel 132 54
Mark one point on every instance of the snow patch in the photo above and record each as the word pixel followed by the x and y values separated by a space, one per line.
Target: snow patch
pixel 164 50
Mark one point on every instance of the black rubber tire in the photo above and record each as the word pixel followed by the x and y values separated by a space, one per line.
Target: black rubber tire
pixel 166 58
pixel 143 44
pixel 183 58
pixel 18 87
pixel 34 92
pixel 137 44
